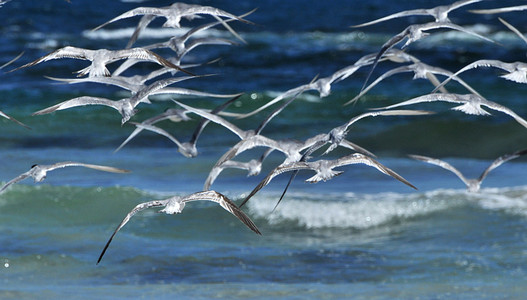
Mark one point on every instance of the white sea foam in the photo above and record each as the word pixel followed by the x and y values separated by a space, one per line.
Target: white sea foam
pixel 510 200
pixel 150 33
pixel 351 210
pixel 362 211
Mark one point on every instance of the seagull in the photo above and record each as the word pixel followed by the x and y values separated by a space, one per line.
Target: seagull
pixel 253 138
pixel 440 13
pixel 517 71
pixel 323 85
pixel 253 167
pixel 136 83
pixel 175 205
pixel 39 172
pixel 499 10
pixel 101 57
pixel 172 114
pixel 193 44
pixel 324 170
pixel 414 33
pixel 336 136
pixel 125 106
pixel 133 84
pixel 471 104
pixel 421 71
pixel 188 149
pixel 473 185
pixel 178 43
pixel 173 15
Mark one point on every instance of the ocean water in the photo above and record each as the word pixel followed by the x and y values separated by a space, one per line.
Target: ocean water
pixel 361 235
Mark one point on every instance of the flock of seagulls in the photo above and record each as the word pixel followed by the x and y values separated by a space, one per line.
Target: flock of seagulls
pixel 298 154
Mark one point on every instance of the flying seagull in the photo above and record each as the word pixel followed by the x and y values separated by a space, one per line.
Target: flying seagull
pixel 253 167
pixel 125 106
pixel 471 104
pixel 414 33
pixel 421 71
pixel 473 185
pixel 516 71
pixel 188 149
pixel 440 13
pixel 101 57
pixel 173 15
pixel 324 170
pixel 39 172
pixel 175 205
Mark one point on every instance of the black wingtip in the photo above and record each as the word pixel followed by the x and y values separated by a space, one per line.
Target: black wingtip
pixel 105 248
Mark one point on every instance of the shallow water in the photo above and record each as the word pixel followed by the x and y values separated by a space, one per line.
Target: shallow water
pixel 361 235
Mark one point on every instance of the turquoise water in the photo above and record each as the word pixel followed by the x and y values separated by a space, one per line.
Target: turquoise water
pixel 360 235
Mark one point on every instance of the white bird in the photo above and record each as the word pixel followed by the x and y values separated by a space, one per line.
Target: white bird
pixel 440 13
pixel 414 33
pixel 471 104
pixel 133 84
pixel 473 185
pixel 136 84
pixel 321 85
pixel 175 205
pixel 173 15
pixel 324 170
pixel 335 137
pixel 421 71
pixel 125 106
pixel 253 138
pixel 253 167
pixel 188 149
pixel 517 71
pixel 172 114
pixel 179 45
pixel 499 10
pixel 101 57
pixel 39 172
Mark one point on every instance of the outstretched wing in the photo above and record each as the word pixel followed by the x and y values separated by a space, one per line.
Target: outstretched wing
pixel 91 166
pixel 66 52
pixel 79 101
pixel 136 209
pixel 301 165
pixel 15 180
pixel 442 164
pixel 226 203
pixel 406 13
pixel 2 114
pixel 499 161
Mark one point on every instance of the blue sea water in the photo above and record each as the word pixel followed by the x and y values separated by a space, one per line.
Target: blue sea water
pixel 362 235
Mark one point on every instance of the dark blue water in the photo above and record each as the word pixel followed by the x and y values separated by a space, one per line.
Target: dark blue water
pixel 360 235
